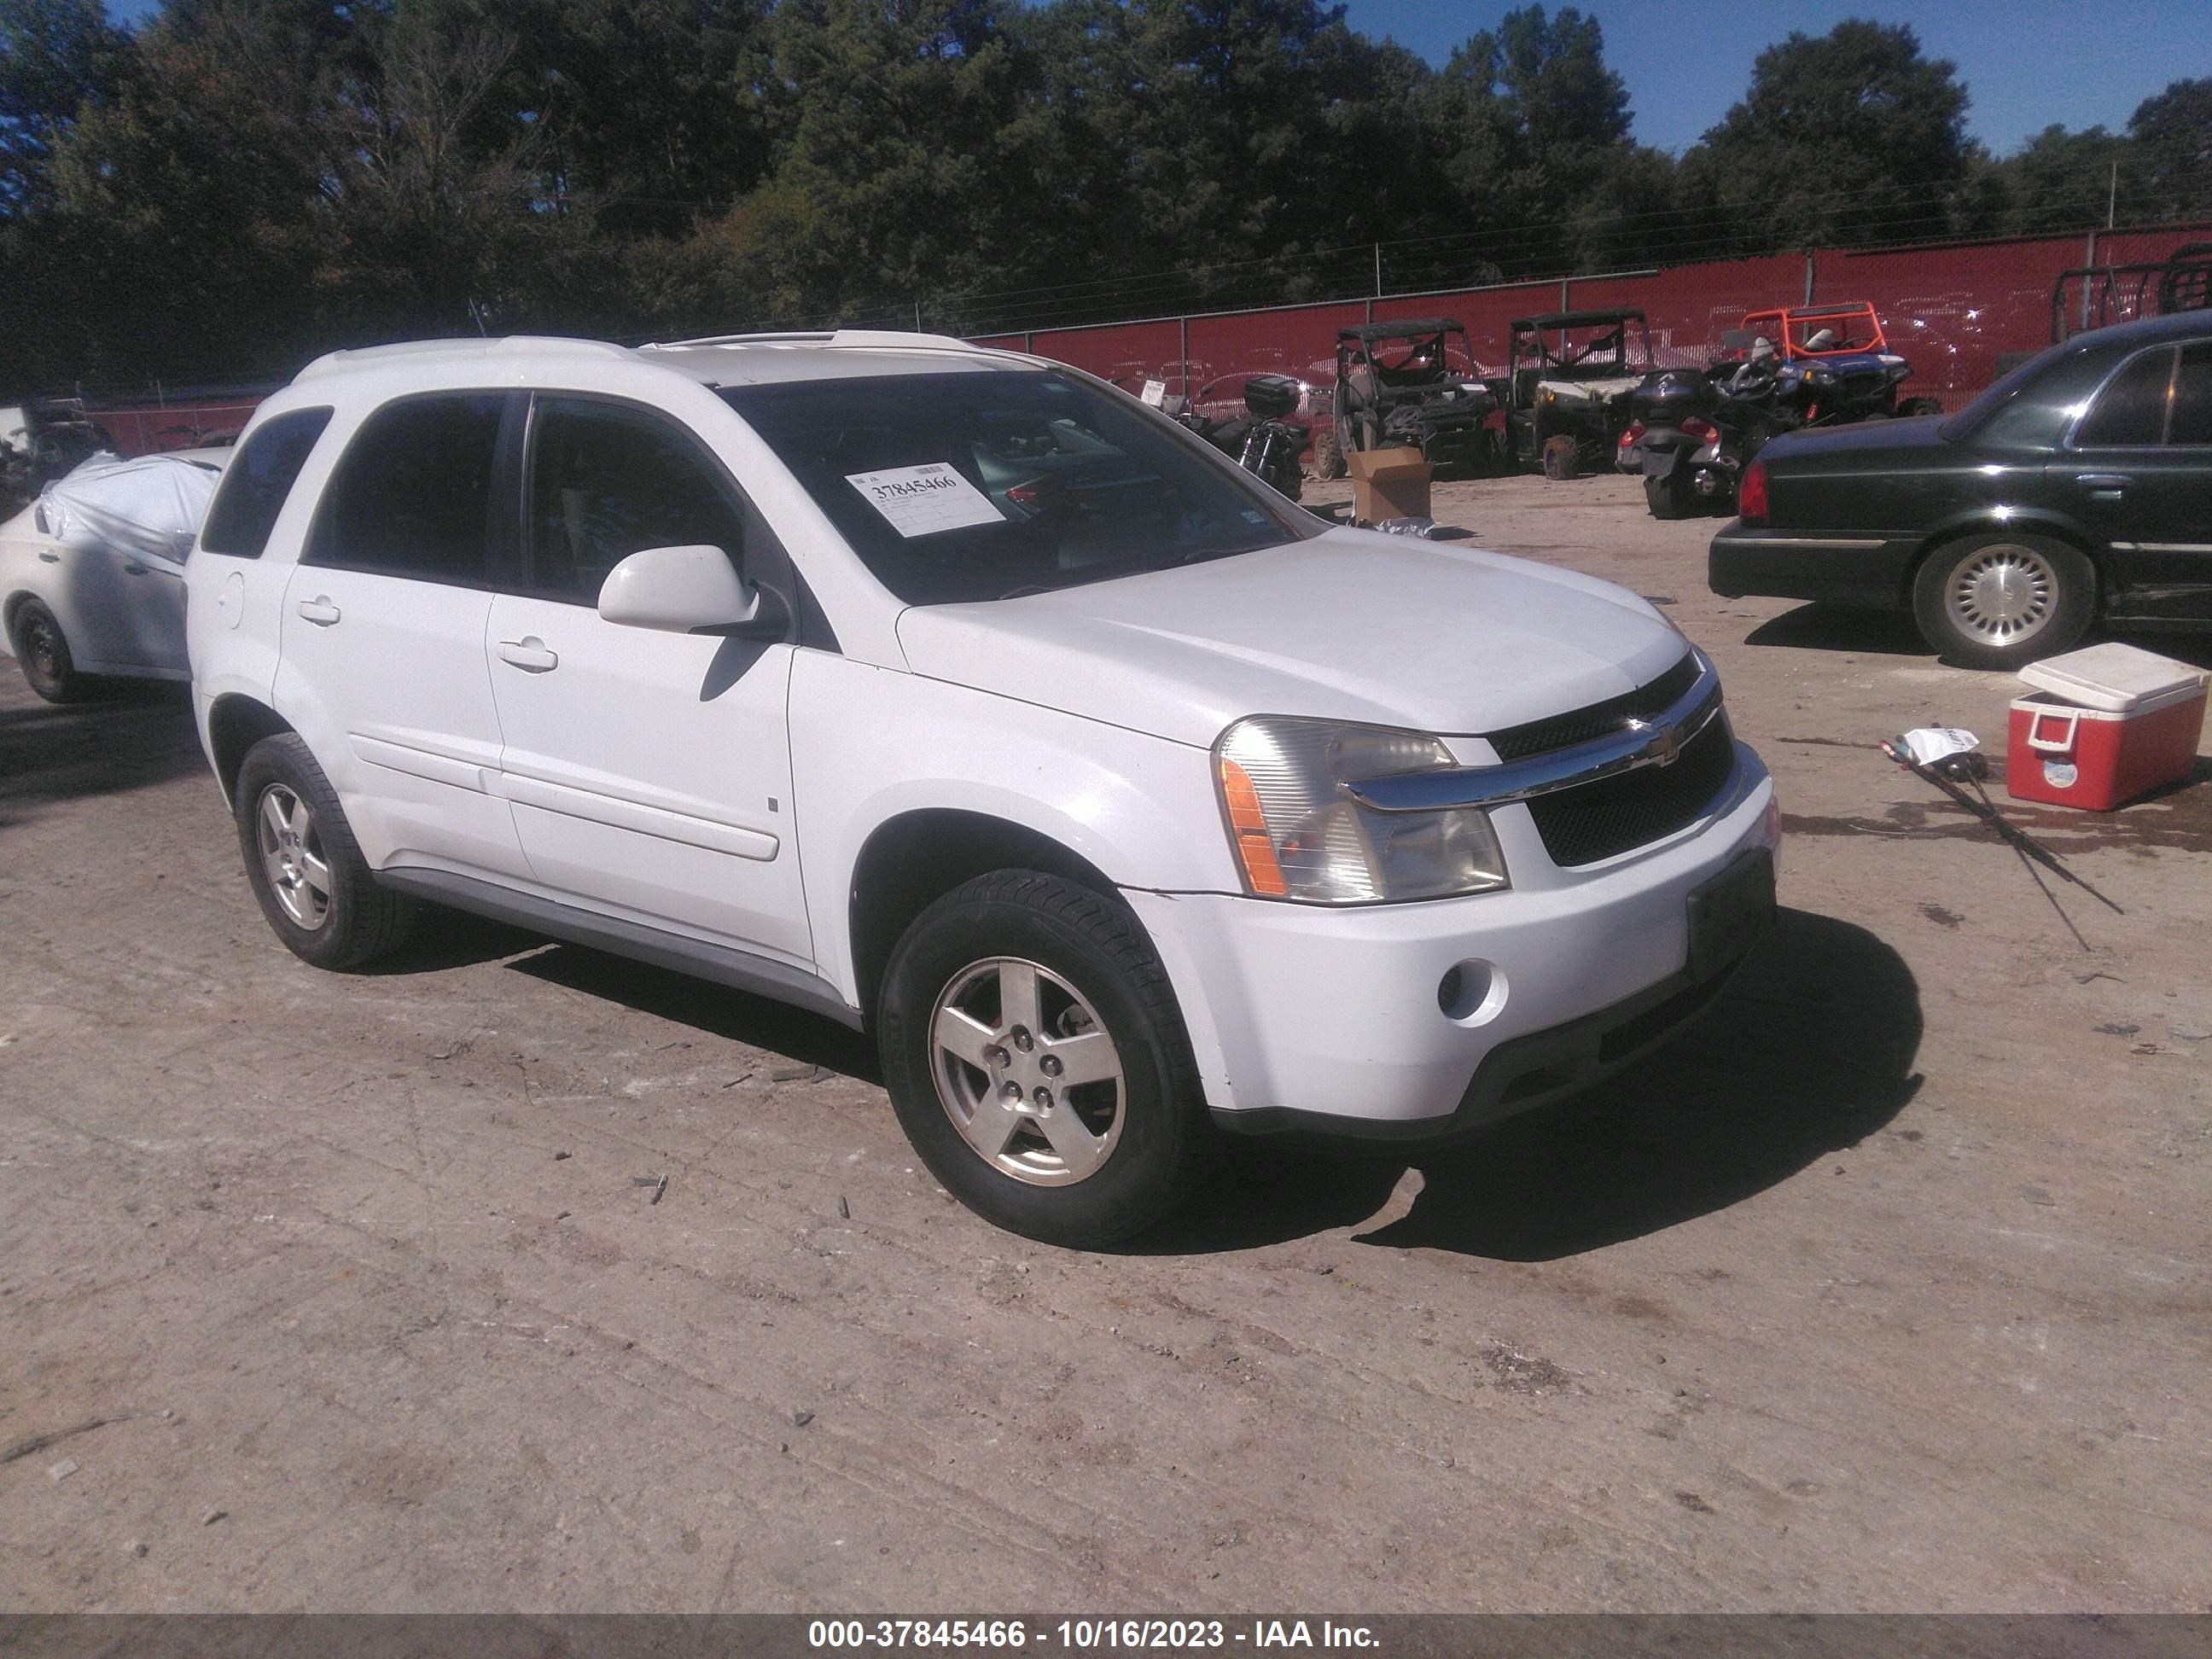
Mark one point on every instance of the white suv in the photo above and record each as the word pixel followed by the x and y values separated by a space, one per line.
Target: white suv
pixel 964 699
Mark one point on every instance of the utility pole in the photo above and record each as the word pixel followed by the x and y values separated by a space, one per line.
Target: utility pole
pixel 1378 270
pixel 2112 196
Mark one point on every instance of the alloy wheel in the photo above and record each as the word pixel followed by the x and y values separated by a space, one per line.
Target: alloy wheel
pixel 1027 1072
pixel 292 857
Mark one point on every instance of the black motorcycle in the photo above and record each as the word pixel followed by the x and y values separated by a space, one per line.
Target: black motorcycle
pixel 1261 442
pixel 1691 433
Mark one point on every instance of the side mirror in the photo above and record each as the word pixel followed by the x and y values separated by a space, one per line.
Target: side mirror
pixel 692 589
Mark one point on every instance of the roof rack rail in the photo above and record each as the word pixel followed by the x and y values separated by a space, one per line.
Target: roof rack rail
pixel 879 338
pixel 332 362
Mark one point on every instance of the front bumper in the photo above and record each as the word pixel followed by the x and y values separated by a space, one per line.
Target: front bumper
pixel 1861 570
pixel 1306 1017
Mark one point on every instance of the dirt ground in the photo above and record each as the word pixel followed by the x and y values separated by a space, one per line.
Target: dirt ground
pixel 1884 1288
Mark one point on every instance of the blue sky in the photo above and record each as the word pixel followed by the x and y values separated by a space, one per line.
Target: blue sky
pixel 2027 63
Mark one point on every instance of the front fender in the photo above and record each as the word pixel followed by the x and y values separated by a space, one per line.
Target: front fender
pixel 870 744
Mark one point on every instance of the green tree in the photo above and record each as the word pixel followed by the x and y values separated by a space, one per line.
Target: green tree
pixel 2062 181
pixel 1851 137
pixel 2172 134
pixel 56 58
pixel 1547 161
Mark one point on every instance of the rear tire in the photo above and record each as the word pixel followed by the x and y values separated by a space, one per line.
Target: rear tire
pixel 2002 601
pixel 304 867
pixel 44 651
pixel 1674 497
pixel 1558 458
pixel 992 986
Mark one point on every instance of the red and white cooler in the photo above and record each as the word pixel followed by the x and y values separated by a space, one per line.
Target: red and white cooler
pixel 2102 726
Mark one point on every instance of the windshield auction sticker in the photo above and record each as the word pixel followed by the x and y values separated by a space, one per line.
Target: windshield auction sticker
pixel 921 500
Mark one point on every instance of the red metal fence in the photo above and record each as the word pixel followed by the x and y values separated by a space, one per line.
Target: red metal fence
pixel 1950 310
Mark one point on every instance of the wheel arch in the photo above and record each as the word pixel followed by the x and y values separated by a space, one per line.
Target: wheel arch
pixel 917 856
pixel 1986 524
pixel 235 723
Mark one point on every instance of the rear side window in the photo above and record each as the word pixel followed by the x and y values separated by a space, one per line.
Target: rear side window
pixel 258 480
pixel 412 495
pixel 2130 412
pixel 2192 397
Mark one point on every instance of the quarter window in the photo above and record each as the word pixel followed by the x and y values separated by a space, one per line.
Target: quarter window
pixel 2130 412
pixel 412 495
pixel 2192 397
pixel 256 483
pixel 607 481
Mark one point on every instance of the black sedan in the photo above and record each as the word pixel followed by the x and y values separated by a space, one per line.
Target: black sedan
pixel 2078 486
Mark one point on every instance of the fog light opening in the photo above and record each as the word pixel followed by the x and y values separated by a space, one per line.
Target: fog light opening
pixel 1471 992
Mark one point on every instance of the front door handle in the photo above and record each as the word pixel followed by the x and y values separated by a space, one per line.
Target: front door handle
pixel 50 558
pixel 2103 486
pixel 132 568
pixel 528 653
pixel 319 611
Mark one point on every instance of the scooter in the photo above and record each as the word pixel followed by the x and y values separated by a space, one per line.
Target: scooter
pixel 1691 434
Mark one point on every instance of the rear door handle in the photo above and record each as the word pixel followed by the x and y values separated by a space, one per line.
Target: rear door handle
pixel 319 611
pixel 132 568
pixel 528 653
pixel 50 558
pixel 2103 486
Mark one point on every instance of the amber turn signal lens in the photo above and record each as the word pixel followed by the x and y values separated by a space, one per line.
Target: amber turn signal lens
pixel 1262 874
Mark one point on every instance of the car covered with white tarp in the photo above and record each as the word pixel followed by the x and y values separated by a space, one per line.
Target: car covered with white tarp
pixel 92 573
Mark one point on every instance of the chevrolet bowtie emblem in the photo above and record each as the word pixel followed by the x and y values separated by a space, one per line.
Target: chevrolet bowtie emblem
pixel 1665 746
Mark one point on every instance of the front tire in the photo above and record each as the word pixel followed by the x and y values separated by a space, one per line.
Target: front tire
pixel 2002 601
pixel 44 651
pixel 1329 453
pixel 1558 458
pixel 304 866
pixel 1038 1060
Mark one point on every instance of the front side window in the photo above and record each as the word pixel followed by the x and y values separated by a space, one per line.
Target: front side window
pixel 607 481
pixel 2130 412
pixel 967 485
pixel 411 496
pixel 258 480
pixel 2192 397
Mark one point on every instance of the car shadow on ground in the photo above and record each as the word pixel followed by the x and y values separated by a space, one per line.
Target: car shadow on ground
pixel 1810 1050
pixel 137 733
pixel 805 1038
pixel 1844 628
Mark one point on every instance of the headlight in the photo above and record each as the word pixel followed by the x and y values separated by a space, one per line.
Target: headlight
pixel 1298 836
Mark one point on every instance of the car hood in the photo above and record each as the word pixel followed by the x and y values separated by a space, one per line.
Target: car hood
pixel 1350 625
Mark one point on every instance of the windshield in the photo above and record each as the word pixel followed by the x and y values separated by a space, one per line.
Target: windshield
pixel 955 487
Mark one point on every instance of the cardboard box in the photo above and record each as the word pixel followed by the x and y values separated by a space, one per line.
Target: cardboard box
pixel 1388 483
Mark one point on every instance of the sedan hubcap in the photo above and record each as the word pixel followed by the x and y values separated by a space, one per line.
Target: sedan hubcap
pixel 1027 1072
pixel 2002 595
pixel 292 857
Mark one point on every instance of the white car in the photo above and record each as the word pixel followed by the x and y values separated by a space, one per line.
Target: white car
pixel 92 573
pixel 962 698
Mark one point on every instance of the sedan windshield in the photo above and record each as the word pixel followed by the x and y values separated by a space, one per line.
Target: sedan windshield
pixel 983 485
